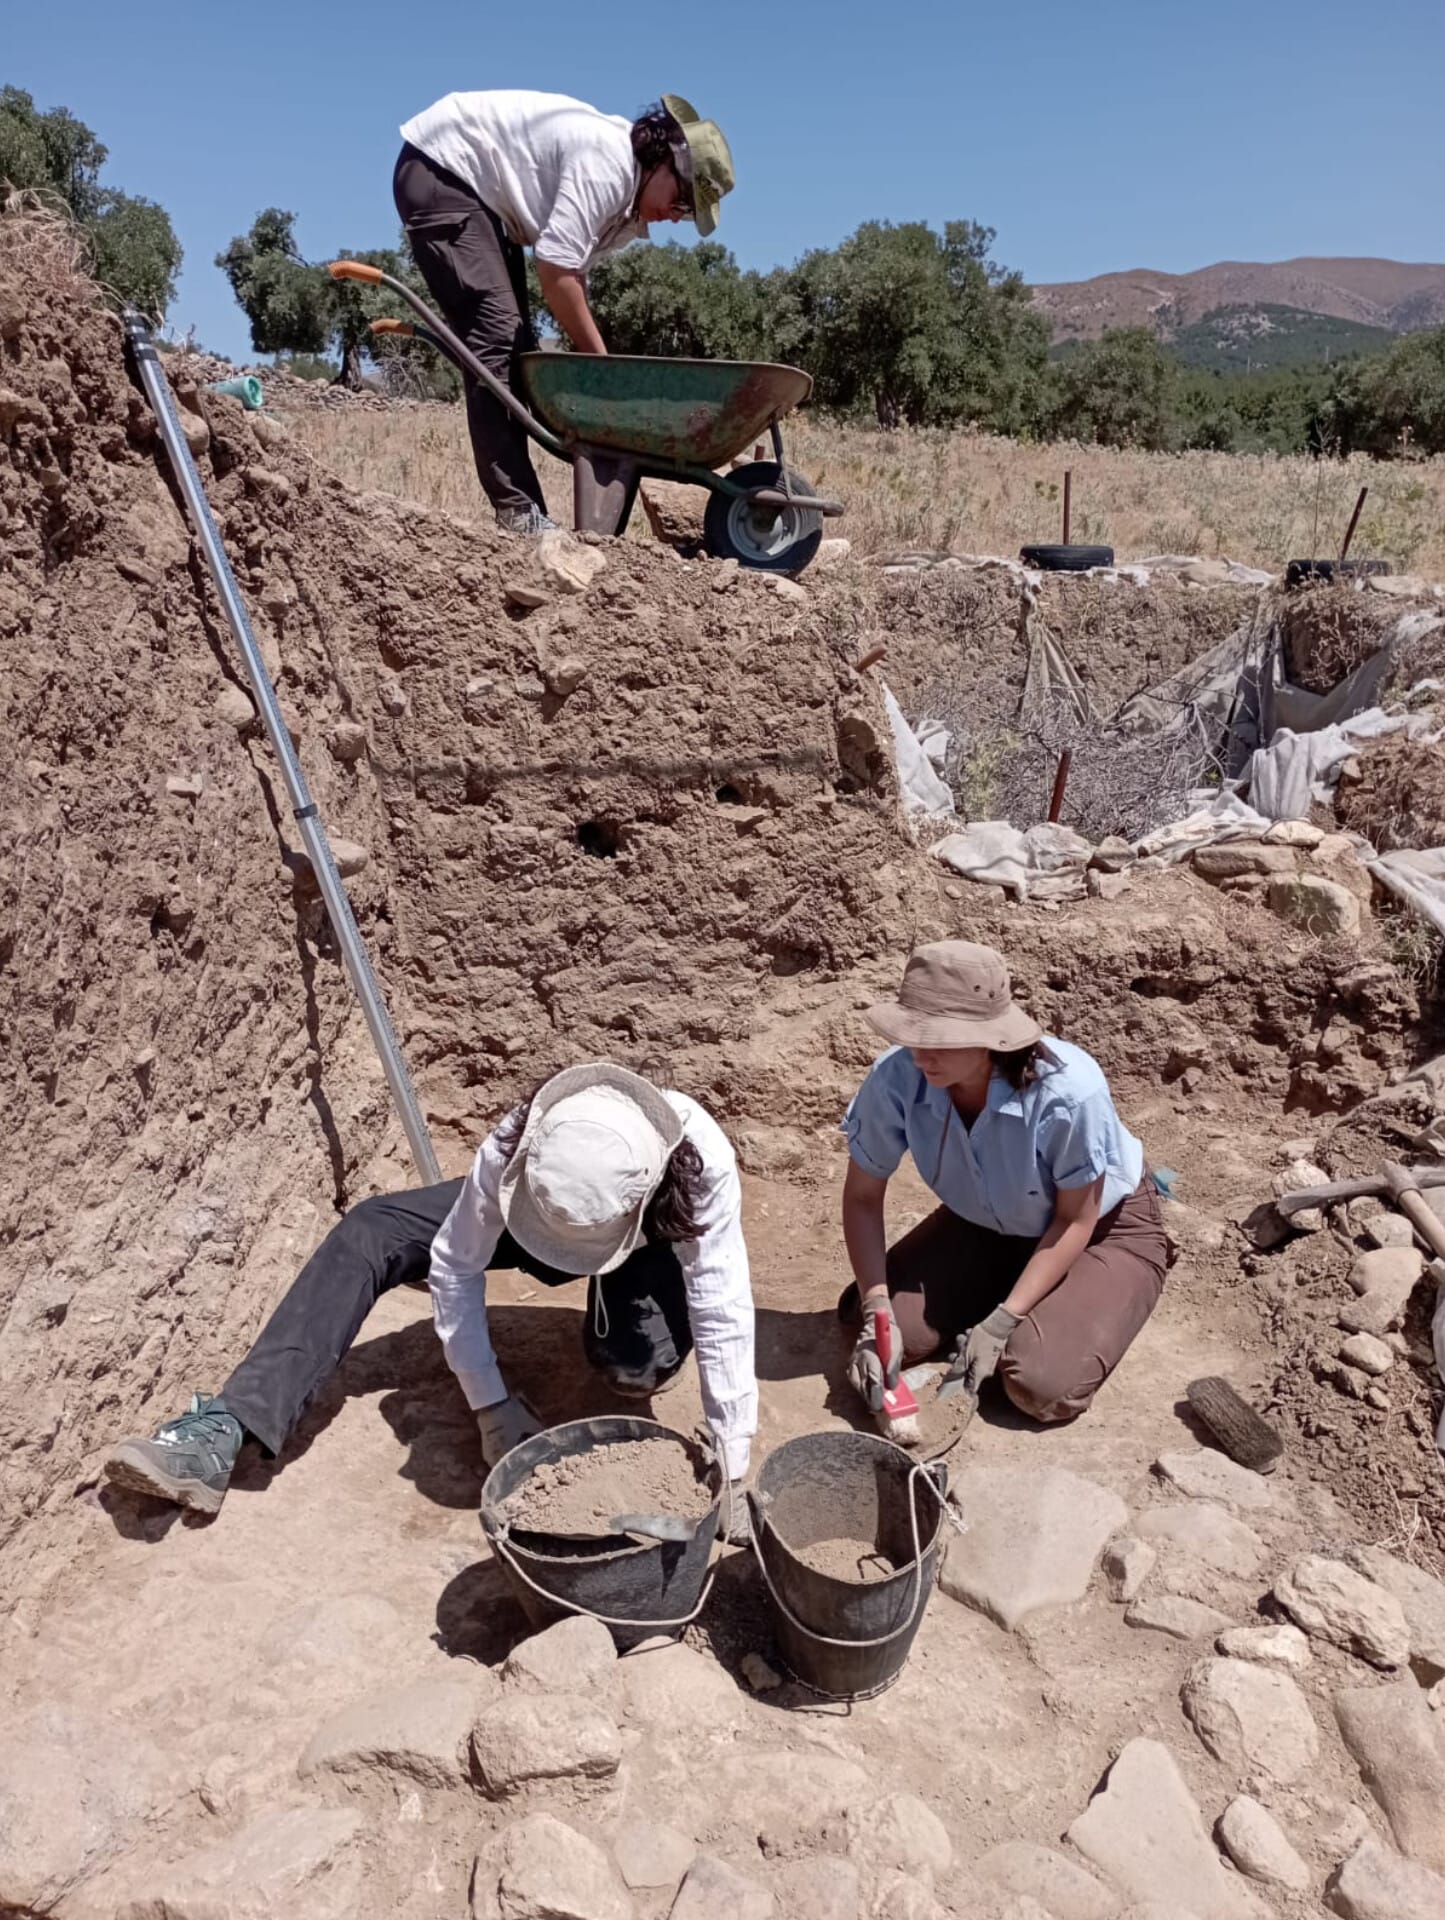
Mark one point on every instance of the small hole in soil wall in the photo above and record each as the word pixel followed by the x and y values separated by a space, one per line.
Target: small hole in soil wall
pixel 728 796
pixel 600 837
pixel 789 960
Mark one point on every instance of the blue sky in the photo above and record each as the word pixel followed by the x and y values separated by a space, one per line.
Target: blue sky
pixel 1093 138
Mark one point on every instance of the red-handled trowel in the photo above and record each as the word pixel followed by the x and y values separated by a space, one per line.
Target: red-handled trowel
pixel 898 1417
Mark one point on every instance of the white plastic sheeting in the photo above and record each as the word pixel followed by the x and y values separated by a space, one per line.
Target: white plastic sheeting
pixel 925 795
pixel 1033 863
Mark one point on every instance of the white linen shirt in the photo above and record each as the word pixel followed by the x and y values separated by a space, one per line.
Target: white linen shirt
pixel 714 1271
pixel 1004 1172
pixel 560 175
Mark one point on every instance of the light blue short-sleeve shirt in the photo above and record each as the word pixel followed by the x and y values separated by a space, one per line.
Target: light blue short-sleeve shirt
pixel 1005 1171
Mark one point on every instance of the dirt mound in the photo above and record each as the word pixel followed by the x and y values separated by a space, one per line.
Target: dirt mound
pixel 1398 799
pixel 1328 631
pixel 610 825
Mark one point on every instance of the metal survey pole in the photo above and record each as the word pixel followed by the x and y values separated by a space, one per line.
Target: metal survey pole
pixel 308 819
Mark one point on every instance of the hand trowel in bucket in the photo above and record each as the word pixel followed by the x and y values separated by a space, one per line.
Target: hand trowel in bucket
pixel 898 1416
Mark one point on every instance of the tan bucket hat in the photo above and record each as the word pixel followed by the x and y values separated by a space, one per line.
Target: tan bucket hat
pixel 706 161
pixel 592 1154
pixel 955 994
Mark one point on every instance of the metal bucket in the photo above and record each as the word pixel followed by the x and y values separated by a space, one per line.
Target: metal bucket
pixel 635 1590
pixel 847 1639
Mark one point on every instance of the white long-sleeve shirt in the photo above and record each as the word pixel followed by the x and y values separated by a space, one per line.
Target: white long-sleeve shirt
pixel 714 1271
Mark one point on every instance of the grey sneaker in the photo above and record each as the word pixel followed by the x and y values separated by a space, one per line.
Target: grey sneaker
pixel 525 520
pixel 188 1461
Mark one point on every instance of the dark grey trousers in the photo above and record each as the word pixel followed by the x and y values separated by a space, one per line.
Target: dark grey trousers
pixel 478 277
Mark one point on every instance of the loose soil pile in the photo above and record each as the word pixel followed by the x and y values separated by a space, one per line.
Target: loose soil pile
pixel 582 1493
pixel 847 1559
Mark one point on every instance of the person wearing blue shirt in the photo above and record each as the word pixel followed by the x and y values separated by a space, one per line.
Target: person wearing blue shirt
pixel 1047 1252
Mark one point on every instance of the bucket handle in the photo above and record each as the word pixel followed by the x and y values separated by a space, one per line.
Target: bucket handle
pixel 499 1545
pixel 755 1509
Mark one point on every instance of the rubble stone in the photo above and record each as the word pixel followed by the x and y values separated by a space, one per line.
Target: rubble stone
pixel 1391 1733
pixel 899 1831
pixel 822 1887
pixel 1281 1646
pixel 676 1686
pixel 1035 1534
pixel 1367 1352
pixel 289 1860
pixel 543 1737
pixel 1171 1613
pixel 420 1730
pixel 1333 1602
pixel 1127 1565
pixel 1315 905
pixel 1375 1884
pixel 566 563
pixel 713 1890
pixel 1388 1269
pixel 1259 1846
pixel 1389 1230
pixel 542 1869
pixel 1253 1720
pixel 1238 857
pixel 574 1657
pixel 1144 1830
pixel 347 740
pixel 1039 1873
pixel 1204 1532
pixel 1422 1601
pixel 1208 1475
pixel 772 1797
pixel 1299 1177
pixel 652 1856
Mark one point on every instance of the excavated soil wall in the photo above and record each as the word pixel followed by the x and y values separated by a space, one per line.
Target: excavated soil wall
pixel 597 822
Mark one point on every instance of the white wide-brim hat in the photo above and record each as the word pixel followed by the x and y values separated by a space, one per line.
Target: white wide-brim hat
pixel 592 1154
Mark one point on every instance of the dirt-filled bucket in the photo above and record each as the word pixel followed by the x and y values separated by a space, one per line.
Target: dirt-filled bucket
pixel 818 1500
pixel 637 1589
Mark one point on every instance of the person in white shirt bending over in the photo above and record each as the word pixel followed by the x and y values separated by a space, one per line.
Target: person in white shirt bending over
pixel 599 1175
pixel 483 175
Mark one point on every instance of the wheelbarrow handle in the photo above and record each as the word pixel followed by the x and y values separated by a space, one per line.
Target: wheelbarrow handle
pixel 456 350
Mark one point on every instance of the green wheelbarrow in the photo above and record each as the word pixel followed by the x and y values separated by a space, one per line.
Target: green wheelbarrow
pixel 621 418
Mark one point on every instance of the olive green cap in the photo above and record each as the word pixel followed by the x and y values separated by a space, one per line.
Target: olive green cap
pixel 709 161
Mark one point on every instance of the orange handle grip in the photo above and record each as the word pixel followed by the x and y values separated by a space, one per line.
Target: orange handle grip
pixel 392 326
pixel 355 270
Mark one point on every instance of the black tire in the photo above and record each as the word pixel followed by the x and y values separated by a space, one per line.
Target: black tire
pixel 769 539
pixel 1303 573
pixel 1066 559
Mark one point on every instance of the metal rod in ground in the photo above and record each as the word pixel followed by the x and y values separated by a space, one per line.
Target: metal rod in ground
pixel 308 819
pixel 1354 522
pixel 1068 500
pixel 1061 780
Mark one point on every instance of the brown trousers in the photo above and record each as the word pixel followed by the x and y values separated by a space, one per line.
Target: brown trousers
pixel 478 277
pixel 1060 1354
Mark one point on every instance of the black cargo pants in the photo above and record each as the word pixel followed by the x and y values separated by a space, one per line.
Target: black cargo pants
pixel 385 1242
pixel 478 277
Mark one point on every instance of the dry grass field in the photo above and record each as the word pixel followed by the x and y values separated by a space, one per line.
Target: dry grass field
pixel 973 493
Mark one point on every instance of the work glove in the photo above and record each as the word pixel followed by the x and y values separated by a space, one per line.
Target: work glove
pixel 866 1369
pixel 504 1426
pixel 977 1354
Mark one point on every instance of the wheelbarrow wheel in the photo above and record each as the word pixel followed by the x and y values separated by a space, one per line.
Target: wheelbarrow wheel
pixel 774 539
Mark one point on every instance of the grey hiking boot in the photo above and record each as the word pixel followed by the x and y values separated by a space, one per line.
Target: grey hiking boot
pixel 525 520
pixel 188 1461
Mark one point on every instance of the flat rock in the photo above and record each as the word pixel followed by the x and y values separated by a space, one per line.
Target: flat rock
pixel 542 1869
pixel 421 1730
pixel 1034 1536
pixel 902 1897
pixel 1238 857
pixel 1294 833
pixel 1281 1646
pixel 1254 1720
pixel 1375 1884
pixel 1207 1475
pixel 1422 1601
pixel 1334 1602
pixel 288 1863
pixel 1040 1874
pixel 572 1657
pixel 1314 905
pixel 715 1891
pixel 1369 1353
pixel 1206 1533
pixel 1394 1270
pixel 1259 1846
pixel 544 1737
pixel 676 1686
pixel 1389 1230
pixel 652 1856
pixel 1171 1613
pixel 1127 1564
pixel 1375 1312
pixel 1392 1735
pixel 773 1797
pixel 1144 1831
pixel 822 1887
pixel 73 1786
pixel 901 1832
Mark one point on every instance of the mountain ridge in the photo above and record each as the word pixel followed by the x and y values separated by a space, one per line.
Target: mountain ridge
pixel 1399 296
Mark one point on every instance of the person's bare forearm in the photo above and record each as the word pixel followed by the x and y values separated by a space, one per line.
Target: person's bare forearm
pixel 566 295
pixel 864 1235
